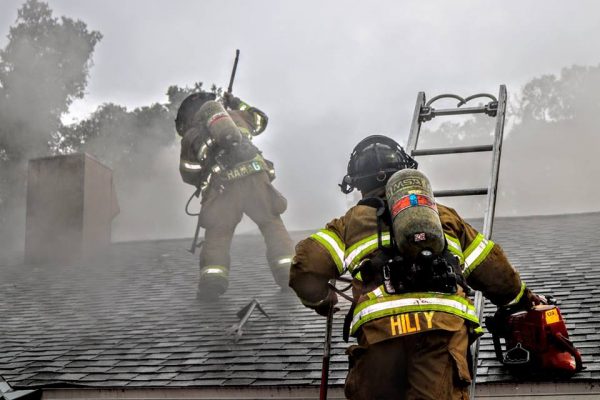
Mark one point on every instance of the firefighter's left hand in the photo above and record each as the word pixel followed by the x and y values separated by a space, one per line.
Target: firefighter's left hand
pixel 532 299
pixel 230 101
pixel 330 301
pixel 538 299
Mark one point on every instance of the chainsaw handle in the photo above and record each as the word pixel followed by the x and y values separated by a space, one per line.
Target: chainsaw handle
pixel 568 346
pixel 510 359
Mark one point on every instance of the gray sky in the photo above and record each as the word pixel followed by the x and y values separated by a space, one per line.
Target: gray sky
pixel 326 72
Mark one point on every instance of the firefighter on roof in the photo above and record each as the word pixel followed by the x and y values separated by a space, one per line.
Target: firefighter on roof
pixel 411 317
pixel 219 158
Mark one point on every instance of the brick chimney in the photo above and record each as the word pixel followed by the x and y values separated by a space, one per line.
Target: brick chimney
pixel 71 203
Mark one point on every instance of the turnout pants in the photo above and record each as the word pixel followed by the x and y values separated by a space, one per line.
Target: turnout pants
pixel 430 365
pixel 255 196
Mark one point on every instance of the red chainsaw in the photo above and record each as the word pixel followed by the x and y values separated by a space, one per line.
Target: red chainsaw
pixel 536 340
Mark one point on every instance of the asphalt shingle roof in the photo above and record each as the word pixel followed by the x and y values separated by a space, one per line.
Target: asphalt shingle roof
pixel 133 319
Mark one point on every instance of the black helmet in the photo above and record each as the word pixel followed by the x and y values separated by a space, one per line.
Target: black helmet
pixel 372 162
pixel 188 108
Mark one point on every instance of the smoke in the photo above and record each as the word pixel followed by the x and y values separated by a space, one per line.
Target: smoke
pixel 153 208
pixel 321 103
pixel 549 152
pixel 43 68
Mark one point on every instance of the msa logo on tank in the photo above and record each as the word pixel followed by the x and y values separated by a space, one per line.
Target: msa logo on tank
pixel 411 322
pixel 411 183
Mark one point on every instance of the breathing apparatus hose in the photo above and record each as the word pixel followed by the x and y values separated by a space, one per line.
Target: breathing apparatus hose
pixel 187 204
pixel 195 243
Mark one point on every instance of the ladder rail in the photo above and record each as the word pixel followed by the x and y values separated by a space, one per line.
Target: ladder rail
pixel 422 113
pixel 497 153
pixel 460 192
pixel 452 150
pixel 415 125
pixel 488 221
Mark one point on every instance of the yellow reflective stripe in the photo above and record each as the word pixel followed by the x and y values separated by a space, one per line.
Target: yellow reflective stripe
pixel 379 292
pixel 412 302
pixel 258 120
pixel 360 249
pixel 519 296
pixel 190 166
pixel 476 253
pixel 455 247
pixel 245 131
pixel 331 241
pixel 340 243
pixel 474 244
pixel 285 260
pixel 214 270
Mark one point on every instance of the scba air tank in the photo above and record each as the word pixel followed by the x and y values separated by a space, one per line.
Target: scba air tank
pixel 220 126
pixel 415 220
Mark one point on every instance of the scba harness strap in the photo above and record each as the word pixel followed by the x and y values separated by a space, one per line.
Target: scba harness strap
pixel 396 276
pixel 440 273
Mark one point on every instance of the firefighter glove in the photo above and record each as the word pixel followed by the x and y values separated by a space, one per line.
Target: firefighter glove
pixel 530 300
pixel 230 101
pixel 537 299
pixel 322 308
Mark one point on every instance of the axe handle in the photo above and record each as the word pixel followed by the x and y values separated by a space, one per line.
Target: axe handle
pixel 232 77
pixel 326 355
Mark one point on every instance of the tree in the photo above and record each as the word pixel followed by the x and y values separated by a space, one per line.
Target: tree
pixel 553 146
pixel 549 150
pixel 137 144
pixel 570 95
pixel 125 140
pixel 43 68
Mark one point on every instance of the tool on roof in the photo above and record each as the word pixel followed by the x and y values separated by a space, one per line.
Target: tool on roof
pixel 244 315
pixel 496 108
pixel 536 340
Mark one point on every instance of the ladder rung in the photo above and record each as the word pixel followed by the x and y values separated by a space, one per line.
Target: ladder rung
pixel 460 111
pixel 453 150
pixel 460 192
pixel 427 113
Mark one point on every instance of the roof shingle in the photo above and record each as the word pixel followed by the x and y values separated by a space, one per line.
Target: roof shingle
pixel 133 318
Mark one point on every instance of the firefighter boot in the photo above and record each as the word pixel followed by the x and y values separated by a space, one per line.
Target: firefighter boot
pixel 213 282
pixel 280 268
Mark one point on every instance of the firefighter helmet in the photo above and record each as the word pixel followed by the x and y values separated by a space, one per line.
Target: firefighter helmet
pixel 372 162
pixel 188 108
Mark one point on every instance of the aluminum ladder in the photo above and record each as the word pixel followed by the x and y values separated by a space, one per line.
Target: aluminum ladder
pixel 496 107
